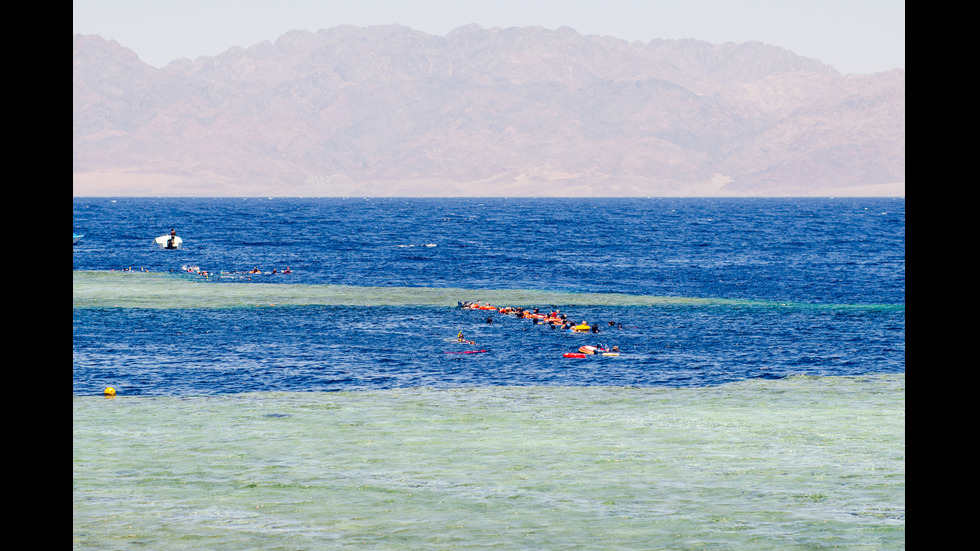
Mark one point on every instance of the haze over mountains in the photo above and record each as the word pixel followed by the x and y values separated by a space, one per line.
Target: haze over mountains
pixel 389 111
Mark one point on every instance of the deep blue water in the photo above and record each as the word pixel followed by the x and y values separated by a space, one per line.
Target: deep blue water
pixel 823 282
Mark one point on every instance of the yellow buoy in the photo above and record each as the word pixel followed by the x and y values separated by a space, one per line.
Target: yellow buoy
pixel 109 391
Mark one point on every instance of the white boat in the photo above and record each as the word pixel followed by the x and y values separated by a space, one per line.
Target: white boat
pixel 75 237
pixel 169 241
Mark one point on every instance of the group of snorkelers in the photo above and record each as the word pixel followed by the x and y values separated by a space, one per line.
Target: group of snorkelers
pixel 256 271
pixel 554 319
pixel 274 271
pixel 207 274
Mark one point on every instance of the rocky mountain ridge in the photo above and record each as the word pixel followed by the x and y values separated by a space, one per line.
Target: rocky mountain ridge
pixel 389 111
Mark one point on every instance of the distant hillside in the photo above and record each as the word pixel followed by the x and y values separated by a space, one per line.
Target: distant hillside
pixel 389 111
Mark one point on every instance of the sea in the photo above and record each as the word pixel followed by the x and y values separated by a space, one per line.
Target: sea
pixel 292 377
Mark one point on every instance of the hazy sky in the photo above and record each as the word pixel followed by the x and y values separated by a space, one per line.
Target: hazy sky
pixel 855 36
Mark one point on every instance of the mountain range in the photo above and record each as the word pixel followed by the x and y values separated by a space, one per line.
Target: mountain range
pixel 522 111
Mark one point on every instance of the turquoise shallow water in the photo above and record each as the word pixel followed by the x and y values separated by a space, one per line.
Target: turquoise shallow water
pixel 126 289
pixel 793 463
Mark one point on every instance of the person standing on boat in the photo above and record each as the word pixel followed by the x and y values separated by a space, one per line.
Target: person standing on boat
pixel 173 236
